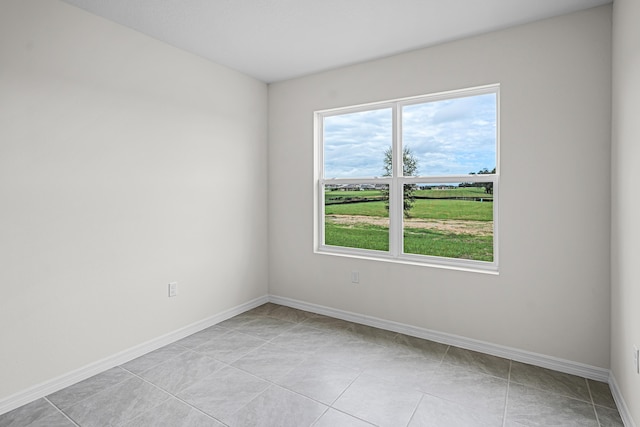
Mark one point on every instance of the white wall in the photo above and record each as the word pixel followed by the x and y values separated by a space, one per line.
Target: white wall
pixel 121 164
pixel 625 232
pixel 552 294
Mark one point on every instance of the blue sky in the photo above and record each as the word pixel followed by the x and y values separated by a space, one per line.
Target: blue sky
pixel 449 137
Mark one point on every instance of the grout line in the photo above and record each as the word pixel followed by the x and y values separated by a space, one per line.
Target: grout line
pixel 444 356
pixel 506 397
pixel 175 396
pixel 413 414
pixel 321 415
pixel 593 403
pixel 230 365
pixel 349 415
pixel 99 391
pixel 344 391
pixel 61 411
pixel 251 400
pixel 590 394
pixel 555 393
pixel 440 362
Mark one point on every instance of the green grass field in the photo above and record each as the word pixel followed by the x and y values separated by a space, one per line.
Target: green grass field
pixel 416 241
pixel 424 241
pixel 477 192
pixel 450 245
pixel 423 208
pixel 361 236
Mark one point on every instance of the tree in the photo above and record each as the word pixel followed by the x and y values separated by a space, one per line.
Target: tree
pixel 409 168
pixel 488 186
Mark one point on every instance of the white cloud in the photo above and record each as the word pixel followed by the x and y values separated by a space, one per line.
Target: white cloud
pixel 454 136
pixel 355 143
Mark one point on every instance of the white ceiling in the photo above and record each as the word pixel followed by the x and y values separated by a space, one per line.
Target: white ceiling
pixel 275 40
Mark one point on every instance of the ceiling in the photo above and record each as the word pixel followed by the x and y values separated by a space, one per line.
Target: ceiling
pixel 274 40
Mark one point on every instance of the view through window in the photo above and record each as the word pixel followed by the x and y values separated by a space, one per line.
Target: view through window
pixel 413 179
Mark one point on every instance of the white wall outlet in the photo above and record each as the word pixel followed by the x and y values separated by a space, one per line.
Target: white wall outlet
pixel 355 277
pixel 636 359
pixel 173 289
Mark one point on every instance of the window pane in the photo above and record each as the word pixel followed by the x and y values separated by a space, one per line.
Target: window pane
pixel 355 143
pixel 452 136
pixel 356 216
pixel 452 220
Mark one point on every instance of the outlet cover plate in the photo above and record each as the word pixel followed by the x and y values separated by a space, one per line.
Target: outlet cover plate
pixel 173 289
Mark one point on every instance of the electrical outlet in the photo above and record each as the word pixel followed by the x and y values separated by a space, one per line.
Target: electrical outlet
pixel 636 359
pixel 173 289
pixel 355 277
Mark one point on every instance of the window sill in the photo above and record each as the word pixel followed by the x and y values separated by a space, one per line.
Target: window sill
pixel 431 262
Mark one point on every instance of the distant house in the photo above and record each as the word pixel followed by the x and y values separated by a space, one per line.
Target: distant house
pixel 350 187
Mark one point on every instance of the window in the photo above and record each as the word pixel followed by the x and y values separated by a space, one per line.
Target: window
pixel 412 180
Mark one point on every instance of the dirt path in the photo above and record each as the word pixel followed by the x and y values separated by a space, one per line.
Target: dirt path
pixel 475 228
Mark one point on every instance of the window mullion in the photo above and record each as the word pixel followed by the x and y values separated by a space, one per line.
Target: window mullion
pixel 395 193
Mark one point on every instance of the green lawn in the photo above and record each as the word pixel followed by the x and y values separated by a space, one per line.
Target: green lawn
pixel 477 192
pixel 452 209
pixel 450 245
pixel 361 236
pixel 423 208
pixel 416 240
pixel 366 208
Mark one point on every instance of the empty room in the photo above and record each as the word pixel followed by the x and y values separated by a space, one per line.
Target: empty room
pixel 297 213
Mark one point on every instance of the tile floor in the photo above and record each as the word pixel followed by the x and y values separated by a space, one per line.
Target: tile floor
pixel 277 366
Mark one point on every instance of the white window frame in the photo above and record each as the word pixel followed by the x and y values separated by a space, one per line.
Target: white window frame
pixel 396 182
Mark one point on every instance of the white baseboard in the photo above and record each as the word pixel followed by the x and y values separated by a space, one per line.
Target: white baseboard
pixel 625 414
pixel 550 362
pixel 544 361
pixel 557 364
pixel 51 386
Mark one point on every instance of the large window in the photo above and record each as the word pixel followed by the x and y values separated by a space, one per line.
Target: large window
pixel 413 180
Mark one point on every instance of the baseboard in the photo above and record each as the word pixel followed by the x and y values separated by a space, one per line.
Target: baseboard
pixel 625 414
pixel 55 384
pixel 557 364
pixel 544 361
